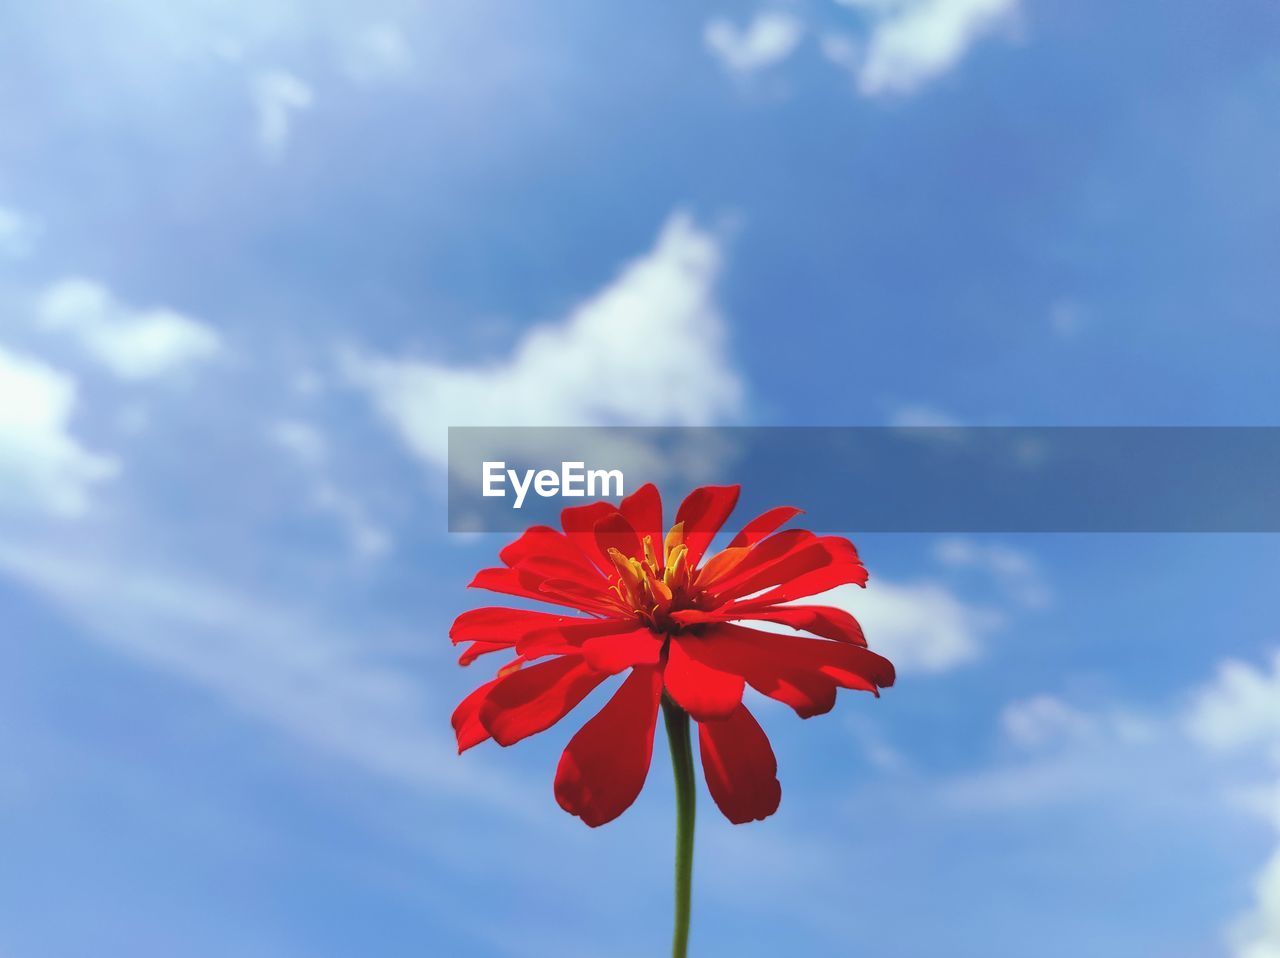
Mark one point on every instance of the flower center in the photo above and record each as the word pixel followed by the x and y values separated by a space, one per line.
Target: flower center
pixel 652 588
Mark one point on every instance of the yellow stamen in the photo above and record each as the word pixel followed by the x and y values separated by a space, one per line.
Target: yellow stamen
pixel 650 558
pixel 675 538
pixel 676 575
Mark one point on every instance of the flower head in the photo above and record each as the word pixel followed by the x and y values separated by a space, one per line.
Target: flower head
pixel 645 603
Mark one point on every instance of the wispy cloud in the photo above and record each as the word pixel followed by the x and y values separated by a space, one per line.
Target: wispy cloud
pixel 263 658
pixel 1118 757
pixel 277 96
pixel 922 626
pixel 1014 570
pixel 43 467
pixel 914 41
pixel 1240 710
pixel 376 53
pixel 307 446
pixel 769 38
pixel 132 343
pixel 648 349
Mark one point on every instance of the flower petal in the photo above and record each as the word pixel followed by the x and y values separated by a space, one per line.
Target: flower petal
pixel 569 637
pixel 764 525
pixel 703 512
pixel 643 509
pixel 530 586
pixel 740 767
pixel 819 564
pixel 764 554
pixel 824 620
pixel 605 764
pixel 733 647
pixel 553 567
pixel 611 654
pixel 800 672
pixel 582 596
pixel 579 524
pixel 496 624
pixel 544 541
pixel 705 692
pixel 615 532
pixel 466 718
pixel 532 699
pixel 477 649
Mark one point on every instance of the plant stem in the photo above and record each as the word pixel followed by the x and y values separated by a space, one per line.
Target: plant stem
pixel 677 722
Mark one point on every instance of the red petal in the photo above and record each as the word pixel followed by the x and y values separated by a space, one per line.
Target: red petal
pixel 815 583
pixel 643 509
pixel 850 666
pixel 529 586
pixel 551 569
pixel 585 597
pixel 543 541
pixel 822 563
pixel 802 673
pixel 763 525
pixel 535 698
pixel 615 532
pixel 477 649
pixel 613 653
pixel 824 620
pixel 704 692
pixel 741 771
pixel 495 624
pixel 466 718
pixel 604 766
pixel 568 638
pixel 703 512
pixel 766 553
pixel 579 523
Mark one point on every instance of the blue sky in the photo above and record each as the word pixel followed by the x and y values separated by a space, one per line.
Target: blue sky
pixel 255 257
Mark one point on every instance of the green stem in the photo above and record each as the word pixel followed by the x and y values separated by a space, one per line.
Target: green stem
pixel 677 722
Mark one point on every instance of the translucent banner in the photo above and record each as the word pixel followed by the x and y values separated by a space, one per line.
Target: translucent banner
pixel 885 479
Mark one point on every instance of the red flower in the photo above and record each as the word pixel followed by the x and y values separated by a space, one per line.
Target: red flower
pixel 654 609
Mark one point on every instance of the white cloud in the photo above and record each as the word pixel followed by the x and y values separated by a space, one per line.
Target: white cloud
pixel 42 466
pixel 1257 934
pixel 368 539
pixel 309 447
pixel 301 440
pixel 17 233
pixel 277 95
pixel 1042 719
pixel 921 626
pixel 132 343
pixel 1014 570
pixel 914 41
pixel 648 349
pixel 288 669
pixel 1046 720
pixel 842 50
pixel 768 39
pixel 376 53
pixel 1240 708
